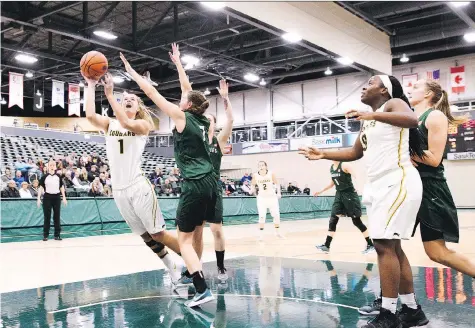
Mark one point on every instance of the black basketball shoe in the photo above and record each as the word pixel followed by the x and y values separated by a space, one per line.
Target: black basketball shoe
pixel 412 317
pixel 385 319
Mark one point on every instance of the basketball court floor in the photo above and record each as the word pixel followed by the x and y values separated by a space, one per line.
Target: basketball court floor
pixel 115 281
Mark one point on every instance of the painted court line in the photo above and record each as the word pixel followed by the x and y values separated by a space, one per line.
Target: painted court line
pixel 177 296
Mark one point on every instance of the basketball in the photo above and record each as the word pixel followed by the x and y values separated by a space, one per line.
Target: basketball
pixel 94 65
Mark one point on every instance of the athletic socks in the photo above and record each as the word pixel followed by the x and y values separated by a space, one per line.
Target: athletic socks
pixel 390 304
pixel 409 300
pixel 369 266
pixel 369 241
pixel 187 274
pixel 328 241
pixel 329 265
pixel 220 259
pixel 168 261
pixel 199 281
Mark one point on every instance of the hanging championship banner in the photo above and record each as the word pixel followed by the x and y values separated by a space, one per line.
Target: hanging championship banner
pixel 457 79
pixel 57 97
pixel 15 93
pixel 408 82
pixel 74 105
pixel 39 102
pixel 105 109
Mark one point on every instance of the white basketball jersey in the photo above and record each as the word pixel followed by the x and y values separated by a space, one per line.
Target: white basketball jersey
pixel 124 151
pixel 386 147
pixel 265 184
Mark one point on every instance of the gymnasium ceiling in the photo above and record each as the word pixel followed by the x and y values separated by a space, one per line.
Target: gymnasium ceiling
pixel 59 33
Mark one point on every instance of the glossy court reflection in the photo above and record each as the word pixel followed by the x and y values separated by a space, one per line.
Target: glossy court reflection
pixel 261 292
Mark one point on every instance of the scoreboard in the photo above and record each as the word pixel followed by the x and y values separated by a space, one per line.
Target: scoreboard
pixel 461 139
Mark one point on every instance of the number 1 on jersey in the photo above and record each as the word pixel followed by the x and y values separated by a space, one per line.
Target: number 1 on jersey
pixel 121 146
pixel 203 130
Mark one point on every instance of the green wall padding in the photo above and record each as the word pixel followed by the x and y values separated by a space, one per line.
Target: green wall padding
pixel 22 220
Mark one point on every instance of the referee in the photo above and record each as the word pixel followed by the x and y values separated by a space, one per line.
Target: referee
pixel 52 186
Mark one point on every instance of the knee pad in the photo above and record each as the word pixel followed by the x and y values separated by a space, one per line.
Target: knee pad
pixel 333 222
pixel 155 246
pixel 359 224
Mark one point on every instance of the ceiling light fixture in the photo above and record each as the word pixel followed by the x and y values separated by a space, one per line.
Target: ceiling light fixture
pixel 105 35
pixel 328 71
pixel 81 84
pixel 469 36
pixel 251 77
pixel 190 59
pixel 263 82
pixel 345 61
pixel 404 58
pixel 38 93
pixel 27 59
pixel 234 30
pixel 459 4
pixel 3 101
pixel 207 92
pixel 28 74
pixel 292 37
pixel 213 5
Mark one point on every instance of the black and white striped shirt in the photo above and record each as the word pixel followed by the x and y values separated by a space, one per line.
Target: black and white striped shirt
pixel 51 183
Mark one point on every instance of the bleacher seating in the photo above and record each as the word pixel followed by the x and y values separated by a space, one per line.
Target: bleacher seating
pixel 44 148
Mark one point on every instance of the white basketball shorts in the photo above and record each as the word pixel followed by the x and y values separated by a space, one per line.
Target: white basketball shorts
pixel 392 202
pixel 138 205
pixel 270 203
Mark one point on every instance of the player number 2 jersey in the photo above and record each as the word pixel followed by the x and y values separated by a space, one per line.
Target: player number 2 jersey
pixel 265 184
pixel 124 151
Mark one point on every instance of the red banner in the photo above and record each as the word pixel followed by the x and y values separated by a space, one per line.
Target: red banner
pixel 457 79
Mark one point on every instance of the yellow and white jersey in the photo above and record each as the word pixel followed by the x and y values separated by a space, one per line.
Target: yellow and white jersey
pixel 124 151
pixel 386 147
pixel 265 184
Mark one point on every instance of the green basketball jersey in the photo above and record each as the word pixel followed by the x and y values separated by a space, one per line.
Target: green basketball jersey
pixel 341 179
pixel 427 171
pixel 216 155
pixel 192 147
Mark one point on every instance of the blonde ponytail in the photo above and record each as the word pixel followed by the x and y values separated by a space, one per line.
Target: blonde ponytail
pixel 441 102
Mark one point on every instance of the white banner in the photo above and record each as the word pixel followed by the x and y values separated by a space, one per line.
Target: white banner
pixel 408 82
pixel 327 141
pixel 15 94
pixel 460 156
pixel 74 94
pixel 105 109
pixel 264 146
pixel 57 96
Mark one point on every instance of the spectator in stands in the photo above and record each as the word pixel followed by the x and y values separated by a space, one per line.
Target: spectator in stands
pixel 107 191
pixel 24 191
pixel 45 170
pixel 83 177
pixel 96 159
pixel 102 179
pixel 73 156
pixel 93 174
pixel 82 162
pixel 18 179
pixel 7 176
pixel 96 188
pixel 34 188
pixel 89 163
pixel 107 179
pixel 246 187
pixel 67 180
pixel 157 174
pixel 10 191
pixel 291 188
pixel 21 166
pixel 246 177
pixel 167 187
pixel 41 165
pixel 78 182
pixel 231 188
pixel 306 190
pixel 84 158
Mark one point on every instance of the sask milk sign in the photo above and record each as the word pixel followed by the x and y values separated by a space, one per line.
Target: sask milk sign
pixel 329 141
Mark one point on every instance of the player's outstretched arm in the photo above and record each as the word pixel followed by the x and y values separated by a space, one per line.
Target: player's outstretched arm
pixel 342 155
pixel 331 185
pixel 97 120
pixel 225 133
pixel 396 112
pixel 170 109
pixel 141 127
pixel 184 80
